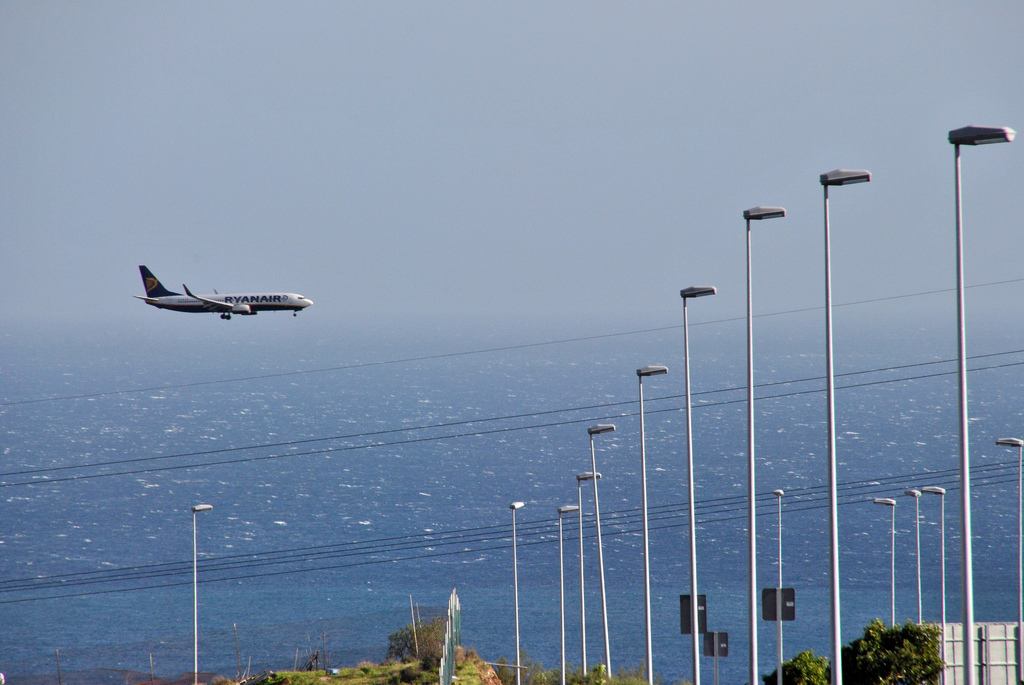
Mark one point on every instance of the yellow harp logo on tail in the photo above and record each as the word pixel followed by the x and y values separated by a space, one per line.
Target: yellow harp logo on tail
pixel 151 284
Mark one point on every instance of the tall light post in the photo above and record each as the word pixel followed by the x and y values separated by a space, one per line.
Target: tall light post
pixel 752 214
pixel 653 370
pixel 688 294
pixel 515 582
pixel 941 492
pixel 891 503
pixel 601 429
pixel 567 509
pixel 195 593
pixel 1019 444
pixel 778 599
pixel 582 478
pixel 916 494
pixel 968 135
pixel 839 177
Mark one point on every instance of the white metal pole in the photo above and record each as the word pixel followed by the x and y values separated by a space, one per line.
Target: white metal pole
pixel 649 661
pixel 1019 444
pixel 195 605
pixel 515 586
pixel 916 494
pixel 561 592
pixel 917 533
pixel 966 561
pixel 600 563
pixel 751 490
pixel 640 373
pixel 583 606
pixel 941 492
pixel 942 513
pixel 833 512
pixel 778 601
pixel 892 571
pixel 195 594
pixel 690 489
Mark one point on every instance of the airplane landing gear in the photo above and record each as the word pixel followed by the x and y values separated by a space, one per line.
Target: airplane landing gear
pixel 226 317
pixel 295 313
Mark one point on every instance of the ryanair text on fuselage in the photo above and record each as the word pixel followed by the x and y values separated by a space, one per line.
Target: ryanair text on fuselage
pixel 225 305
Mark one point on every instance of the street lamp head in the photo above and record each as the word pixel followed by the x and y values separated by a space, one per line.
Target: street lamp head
pixel 912 492
pixel 653 370
pixel 601 428
pixel 885 501
pixel 202 507
pixel 981 135
pixel 516 505
pixel 697 291
pixel 588 475
pixel 755 213
pixel 845 177
pixel 933 490
pixel 568 509
pixel 1009 442
pixel 778 493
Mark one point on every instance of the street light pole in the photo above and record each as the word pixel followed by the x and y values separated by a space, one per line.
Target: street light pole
pixel 941 492
pixel 195 593
pixel 1019 444
pixel 580 479
pixel 641 373
pixel 569 508
pixel 839 177
pixel 968 135
pixel 515 582
pixel 752 214
pixel 891 503
pixel 687 294
pixel 778 599
pixel 600 429
pixel 916 494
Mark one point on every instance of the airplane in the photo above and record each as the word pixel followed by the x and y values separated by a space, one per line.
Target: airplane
pixel 247 304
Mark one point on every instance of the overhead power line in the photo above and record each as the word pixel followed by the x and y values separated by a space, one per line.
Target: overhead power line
pixel 489 350
pixel 39 476
pixel 475 540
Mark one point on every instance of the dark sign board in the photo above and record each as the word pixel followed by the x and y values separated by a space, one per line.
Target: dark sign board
pixel 684 614
pixel 716 644
pixel 768 600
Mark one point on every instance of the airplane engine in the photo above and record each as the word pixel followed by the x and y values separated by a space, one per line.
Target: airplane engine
pixel 242 309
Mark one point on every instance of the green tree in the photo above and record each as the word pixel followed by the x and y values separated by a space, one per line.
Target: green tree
pixel 505 674
pixel 430 637
pixel 901 655
pixel 534 673
pixel 803 669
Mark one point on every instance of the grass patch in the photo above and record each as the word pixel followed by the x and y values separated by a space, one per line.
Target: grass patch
pixel 469 671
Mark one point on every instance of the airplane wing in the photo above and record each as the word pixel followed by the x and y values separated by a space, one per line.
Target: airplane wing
pixel 212 305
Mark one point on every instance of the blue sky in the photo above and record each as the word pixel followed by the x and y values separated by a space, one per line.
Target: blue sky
pixel 535 160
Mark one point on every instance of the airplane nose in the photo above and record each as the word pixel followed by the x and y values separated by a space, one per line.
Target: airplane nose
pixel 307 302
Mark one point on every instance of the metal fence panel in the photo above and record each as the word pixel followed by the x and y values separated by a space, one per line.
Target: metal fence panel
pixel 995 653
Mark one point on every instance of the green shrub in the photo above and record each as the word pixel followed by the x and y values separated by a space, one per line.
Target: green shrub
pixel 803 669
pixel 900 655
pixel 402 644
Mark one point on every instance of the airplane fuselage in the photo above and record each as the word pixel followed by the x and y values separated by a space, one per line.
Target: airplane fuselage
pixel 243 304
pixel 246 303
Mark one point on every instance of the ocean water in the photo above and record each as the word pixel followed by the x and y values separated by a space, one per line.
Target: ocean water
pixel 351 469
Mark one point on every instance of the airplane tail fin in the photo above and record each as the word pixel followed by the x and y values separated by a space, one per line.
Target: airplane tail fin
pixel 153 286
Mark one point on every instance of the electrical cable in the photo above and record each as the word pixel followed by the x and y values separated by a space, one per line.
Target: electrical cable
pixel 332 450
pixel 621 522
pixel 505 348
